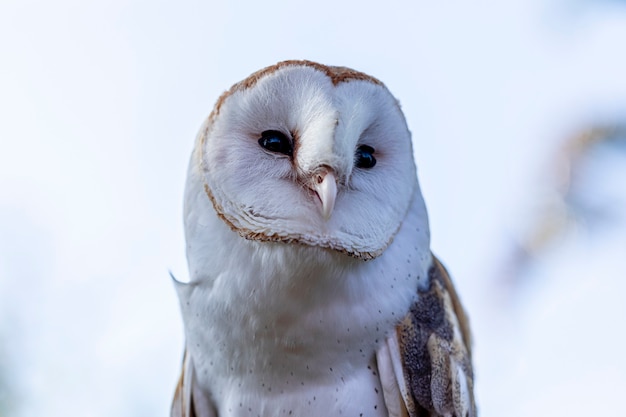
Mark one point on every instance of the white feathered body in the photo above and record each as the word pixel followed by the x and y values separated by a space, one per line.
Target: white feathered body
pixel 286 308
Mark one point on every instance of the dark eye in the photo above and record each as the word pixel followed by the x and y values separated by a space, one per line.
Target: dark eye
pixel 364 157
pixel 275 141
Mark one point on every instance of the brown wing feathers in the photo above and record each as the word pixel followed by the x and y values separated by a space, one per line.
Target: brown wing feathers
pixel 456 304
pixel 433 340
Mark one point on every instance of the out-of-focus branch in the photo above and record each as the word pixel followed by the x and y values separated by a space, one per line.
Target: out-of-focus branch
pixel 560 209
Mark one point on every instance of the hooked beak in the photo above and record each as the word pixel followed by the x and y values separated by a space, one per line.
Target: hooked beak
pixel 325 186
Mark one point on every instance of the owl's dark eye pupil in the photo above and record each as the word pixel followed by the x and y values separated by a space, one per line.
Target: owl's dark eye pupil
pixel 275 141
pixel 364 157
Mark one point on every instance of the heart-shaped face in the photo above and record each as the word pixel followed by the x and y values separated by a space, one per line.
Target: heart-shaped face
pixel 300 152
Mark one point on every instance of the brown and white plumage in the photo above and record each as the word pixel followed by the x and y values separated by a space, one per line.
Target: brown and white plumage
pixel 313 290
pixel 426 363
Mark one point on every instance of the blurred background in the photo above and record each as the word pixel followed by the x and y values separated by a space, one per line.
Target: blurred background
pixel 518 112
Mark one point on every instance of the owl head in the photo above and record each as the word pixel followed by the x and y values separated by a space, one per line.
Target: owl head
pixel 305 154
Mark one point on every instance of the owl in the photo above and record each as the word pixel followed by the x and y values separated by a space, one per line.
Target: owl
pixel 313 290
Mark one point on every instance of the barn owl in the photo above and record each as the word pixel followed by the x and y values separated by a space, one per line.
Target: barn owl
pixel 313 290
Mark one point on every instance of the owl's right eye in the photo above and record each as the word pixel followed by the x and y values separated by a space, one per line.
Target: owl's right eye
pixel 275 141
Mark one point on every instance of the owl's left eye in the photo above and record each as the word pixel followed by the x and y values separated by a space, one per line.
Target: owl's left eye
pixel 364 157
pixel 275 141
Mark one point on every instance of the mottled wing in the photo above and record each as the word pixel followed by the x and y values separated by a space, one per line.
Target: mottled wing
pixel 425 366
pixel 188 400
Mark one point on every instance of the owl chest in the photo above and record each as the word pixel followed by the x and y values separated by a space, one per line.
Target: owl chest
pixel 273 356
pixel 287 337
pixel 291 368
pixel 360 394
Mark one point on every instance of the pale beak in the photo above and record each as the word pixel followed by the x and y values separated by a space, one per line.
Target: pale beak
pixel 325 185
